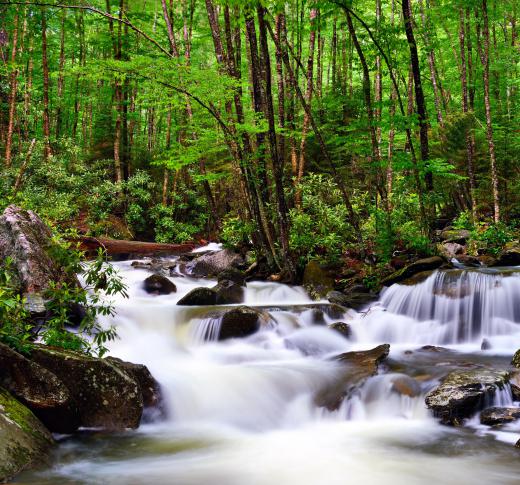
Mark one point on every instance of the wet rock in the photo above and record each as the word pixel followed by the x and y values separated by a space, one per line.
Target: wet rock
pixel 485 345
pixel 515 392
pixel 316 280
pixel 421 265
pixel 455 235
pixel 106 396
pixel 342 328
pixel 228 292
pixel 516 359
pixel 406 386
pixel 357 367
pixel 157 266
pixel 157 284
pixel 463 393
pixel 510 256
pixel 199 296
pixel 40 390
pixel 317 316
pixel 241 322
pixel 487 260
pixel 26 240
pixel 496 416
pixel 356 301
pixel 469 261
pixel 232 274
pixel 211 264
pixel 24 441
pixel 451 249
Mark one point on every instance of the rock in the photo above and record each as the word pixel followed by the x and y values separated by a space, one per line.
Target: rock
pixel 211 264
pixel 485 345
pixel 24 441
pixel 421 265
pixel 358 366
pixel 159 285
pixel 450 249
pixel 228 292
pixel 232 274
pixel 406 386
pixel 356 301
pixel 486 260
pixel 106 396
pixel 496 416
pixel 510 256
pixel 40 390
pixel 455 235
pixel 317 316
pixel 463 393
pixel 158 266
pixel 469 261
pixel 199 296
pixel 342 328
pixel 150 388
pixel 516 359
pixel 241 322
pixel 316 280
pixel 26 240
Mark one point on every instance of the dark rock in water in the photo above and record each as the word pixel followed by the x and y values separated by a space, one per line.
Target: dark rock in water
pixel 150 388
pixel 421 265
pixel 434 348
pixel 24 441
pixel 356 301
pixel 27 241
pixel 317 316
pixel 406 386
pixel 228 292
pixel 342 328
pixel 40 390
pixel 157 266
pixel 159 285
pixel 358 366
pixel 316 280
pixel 485 345
pixel 497 416
pixel 463 393
pixel 232 274
pixel 510 256
pixel 241 322
pixel 516 359
pixel 455 235
pixel 199 296
pixel 211 264
pixel 106 396
pixel 515 392
pixel 469 261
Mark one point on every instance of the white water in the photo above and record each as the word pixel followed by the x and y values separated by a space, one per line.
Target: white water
pixel 243 412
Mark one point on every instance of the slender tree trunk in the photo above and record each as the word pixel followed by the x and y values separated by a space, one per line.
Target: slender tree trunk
pixel 47 152
pixel 61 79
pixel 13 81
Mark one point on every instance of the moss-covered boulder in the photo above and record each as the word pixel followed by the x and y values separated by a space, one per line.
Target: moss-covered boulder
pixel 509 256
pixel 24 440
pixel 106 396
pixel 228 292
pixel 417 267
pixel 40 390
pixel 464 392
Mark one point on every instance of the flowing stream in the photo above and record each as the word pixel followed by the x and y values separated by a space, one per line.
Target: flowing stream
pixel 243 411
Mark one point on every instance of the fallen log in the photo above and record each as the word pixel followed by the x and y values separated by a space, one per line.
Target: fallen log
pixel 119 246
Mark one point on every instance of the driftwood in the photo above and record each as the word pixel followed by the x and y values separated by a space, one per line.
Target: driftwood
pixel 118 246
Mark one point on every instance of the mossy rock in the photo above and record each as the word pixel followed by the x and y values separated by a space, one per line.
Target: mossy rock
pixel 412 269
pixel 24 441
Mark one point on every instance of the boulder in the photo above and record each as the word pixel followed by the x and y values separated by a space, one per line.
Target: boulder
pixel 228 292
pixel 354 300
pixel 106 396
pixel 464 392
pixel 157 266
pixel 159 285
pixel 510 256
pixel 241 322
pixel 211 264
pixel 356 368
pixel 469 261
pixel 232 274
pixel 40 390
pixel 455 235
pixel 405 385
pixel 516 359
pixel 26 240
pixel 317 281
pixel 342 328
pixel 421 265
pixel 496 416
pixel 199 296
pixel 451 249
pixel 24 441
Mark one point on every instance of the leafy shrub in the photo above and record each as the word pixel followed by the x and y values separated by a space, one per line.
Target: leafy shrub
pixel 492 237
pixel 236 232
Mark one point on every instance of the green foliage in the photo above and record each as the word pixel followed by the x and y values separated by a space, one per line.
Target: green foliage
pixel 492 237
pixel 463 221
pixel 235 232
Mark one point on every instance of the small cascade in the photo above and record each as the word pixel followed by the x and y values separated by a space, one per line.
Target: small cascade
pixel 448 307
pixel 206 329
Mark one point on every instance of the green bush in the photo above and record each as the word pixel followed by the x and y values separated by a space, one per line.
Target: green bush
pixel 235 232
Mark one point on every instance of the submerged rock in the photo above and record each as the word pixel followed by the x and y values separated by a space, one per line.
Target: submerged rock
pixel 158 266
pixel 24 441
pixel 228 292
pixel 159 285
pixel 199 296
pixel 40 390
pixel 421 265
pixel 496 416
pixel 317 281
pixel 106 396
pixel 463 393
pixel 241 322
pixel 358 366
pixel 211 264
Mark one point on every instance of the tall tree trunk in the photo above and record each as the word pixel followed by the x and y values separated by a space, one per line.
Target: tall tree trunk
pixel 13 87
pixel 61 79
pixel 47 152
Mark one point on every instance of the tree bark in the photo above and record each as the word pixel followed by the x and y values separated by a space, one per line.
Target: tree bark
pixel 47 152
pixel 13 82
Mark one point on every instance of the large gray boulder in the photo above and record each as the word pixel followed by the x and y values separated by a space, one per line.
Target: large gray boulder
pixel 26 240
pixel 106 396
pixel 464 392
pixel 40 390
pixel 211 264
pixel 419 266
pixel 24 441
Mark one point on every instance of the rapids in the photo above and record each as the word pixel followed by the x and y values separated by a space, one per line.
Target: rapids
pixel 242 412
